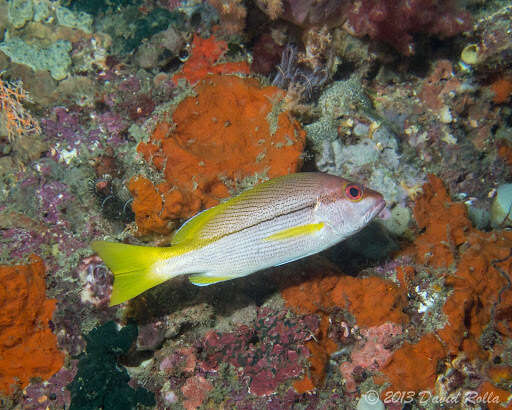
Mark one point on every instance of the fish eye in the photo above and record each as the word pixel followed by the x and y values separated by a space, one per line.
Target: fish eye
pixel 353 192
pixel 183 55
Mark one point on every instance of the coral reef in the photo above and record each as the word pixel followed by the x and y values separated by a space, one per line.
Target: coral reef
pixel 435 245
pixel 298 79
pixel 97 6
pixel 232 15
pixel 352 294
pixel 370 354
pixel 204 58
pixel 161 49
pixel 305 13
pixel 26 327
pixel 403 370
pixel 266 364
pixel 473 265
pixel 121 119
pixel 195 391
pixel 446 126
pixel 378 20
pixel 143 26
pixel 331 292
pixel 210 149
pixel 352 139
pixel 502 89
pixel 489 52
pixel 97 281
pixel 478 273
pixel 51 393
pixel 266 55
pixel 255 361
pixel 55 58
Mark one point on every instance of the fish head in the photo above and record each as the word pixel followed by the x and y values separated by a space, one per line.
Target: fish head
pixel 347 207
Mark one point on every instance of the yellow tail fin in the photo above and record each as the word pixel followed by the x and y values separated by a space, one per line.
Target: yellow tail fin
pixel 132 267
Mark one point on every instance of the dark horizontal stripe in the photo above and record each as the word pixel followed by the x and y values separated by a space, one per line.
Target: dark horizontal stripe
pixel 261 222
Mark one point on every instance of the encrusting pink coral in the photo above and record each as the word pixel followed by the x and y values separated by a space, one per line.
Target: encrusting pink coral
pixel 371 353
pixel 195 390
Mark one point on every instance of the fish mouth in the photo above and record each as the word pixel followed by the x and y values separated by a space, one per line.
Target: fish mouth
pixel 376 210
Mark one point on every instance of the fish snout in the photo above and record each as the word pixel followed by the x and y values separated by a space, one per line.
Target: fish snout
pixel 378 207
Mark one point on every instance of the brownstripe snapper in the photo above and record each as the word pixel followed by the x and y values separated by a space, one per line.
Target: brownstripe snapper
pixel 276 222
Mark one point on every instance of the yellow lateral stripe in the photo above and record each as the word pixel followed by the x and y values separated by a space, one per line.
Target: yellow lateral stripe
pixel 295 231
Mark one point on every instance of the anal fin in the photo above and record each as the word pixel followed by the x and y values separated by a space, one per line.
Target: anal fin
pixel 204 279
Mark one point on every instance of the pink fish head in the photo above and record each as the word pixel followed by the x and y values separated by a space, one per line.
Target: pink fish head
pixel 347 207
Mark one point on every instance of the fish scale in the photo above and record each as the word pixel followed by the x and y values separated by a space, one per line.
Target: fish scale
pixel 246 248
pixel 264 202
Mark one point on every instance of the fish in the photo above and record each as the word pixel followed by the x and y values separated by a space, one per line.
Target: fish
pixel 276 222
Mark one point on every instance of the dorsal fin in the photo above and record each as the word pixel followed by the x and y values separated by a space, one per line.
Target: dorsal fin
pixel 192 227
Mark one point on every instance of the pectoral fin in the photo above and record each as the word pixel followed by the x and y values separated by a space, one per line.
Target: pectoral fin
pixel 296 231
pixel 203 279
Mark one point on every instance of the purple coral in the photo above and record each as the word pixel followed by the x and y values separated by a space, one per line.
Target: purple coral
pixel 395 21
pixel 63 125
pixel 52 393
pixel 53 197
pixel 391 21
pixel 370 353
